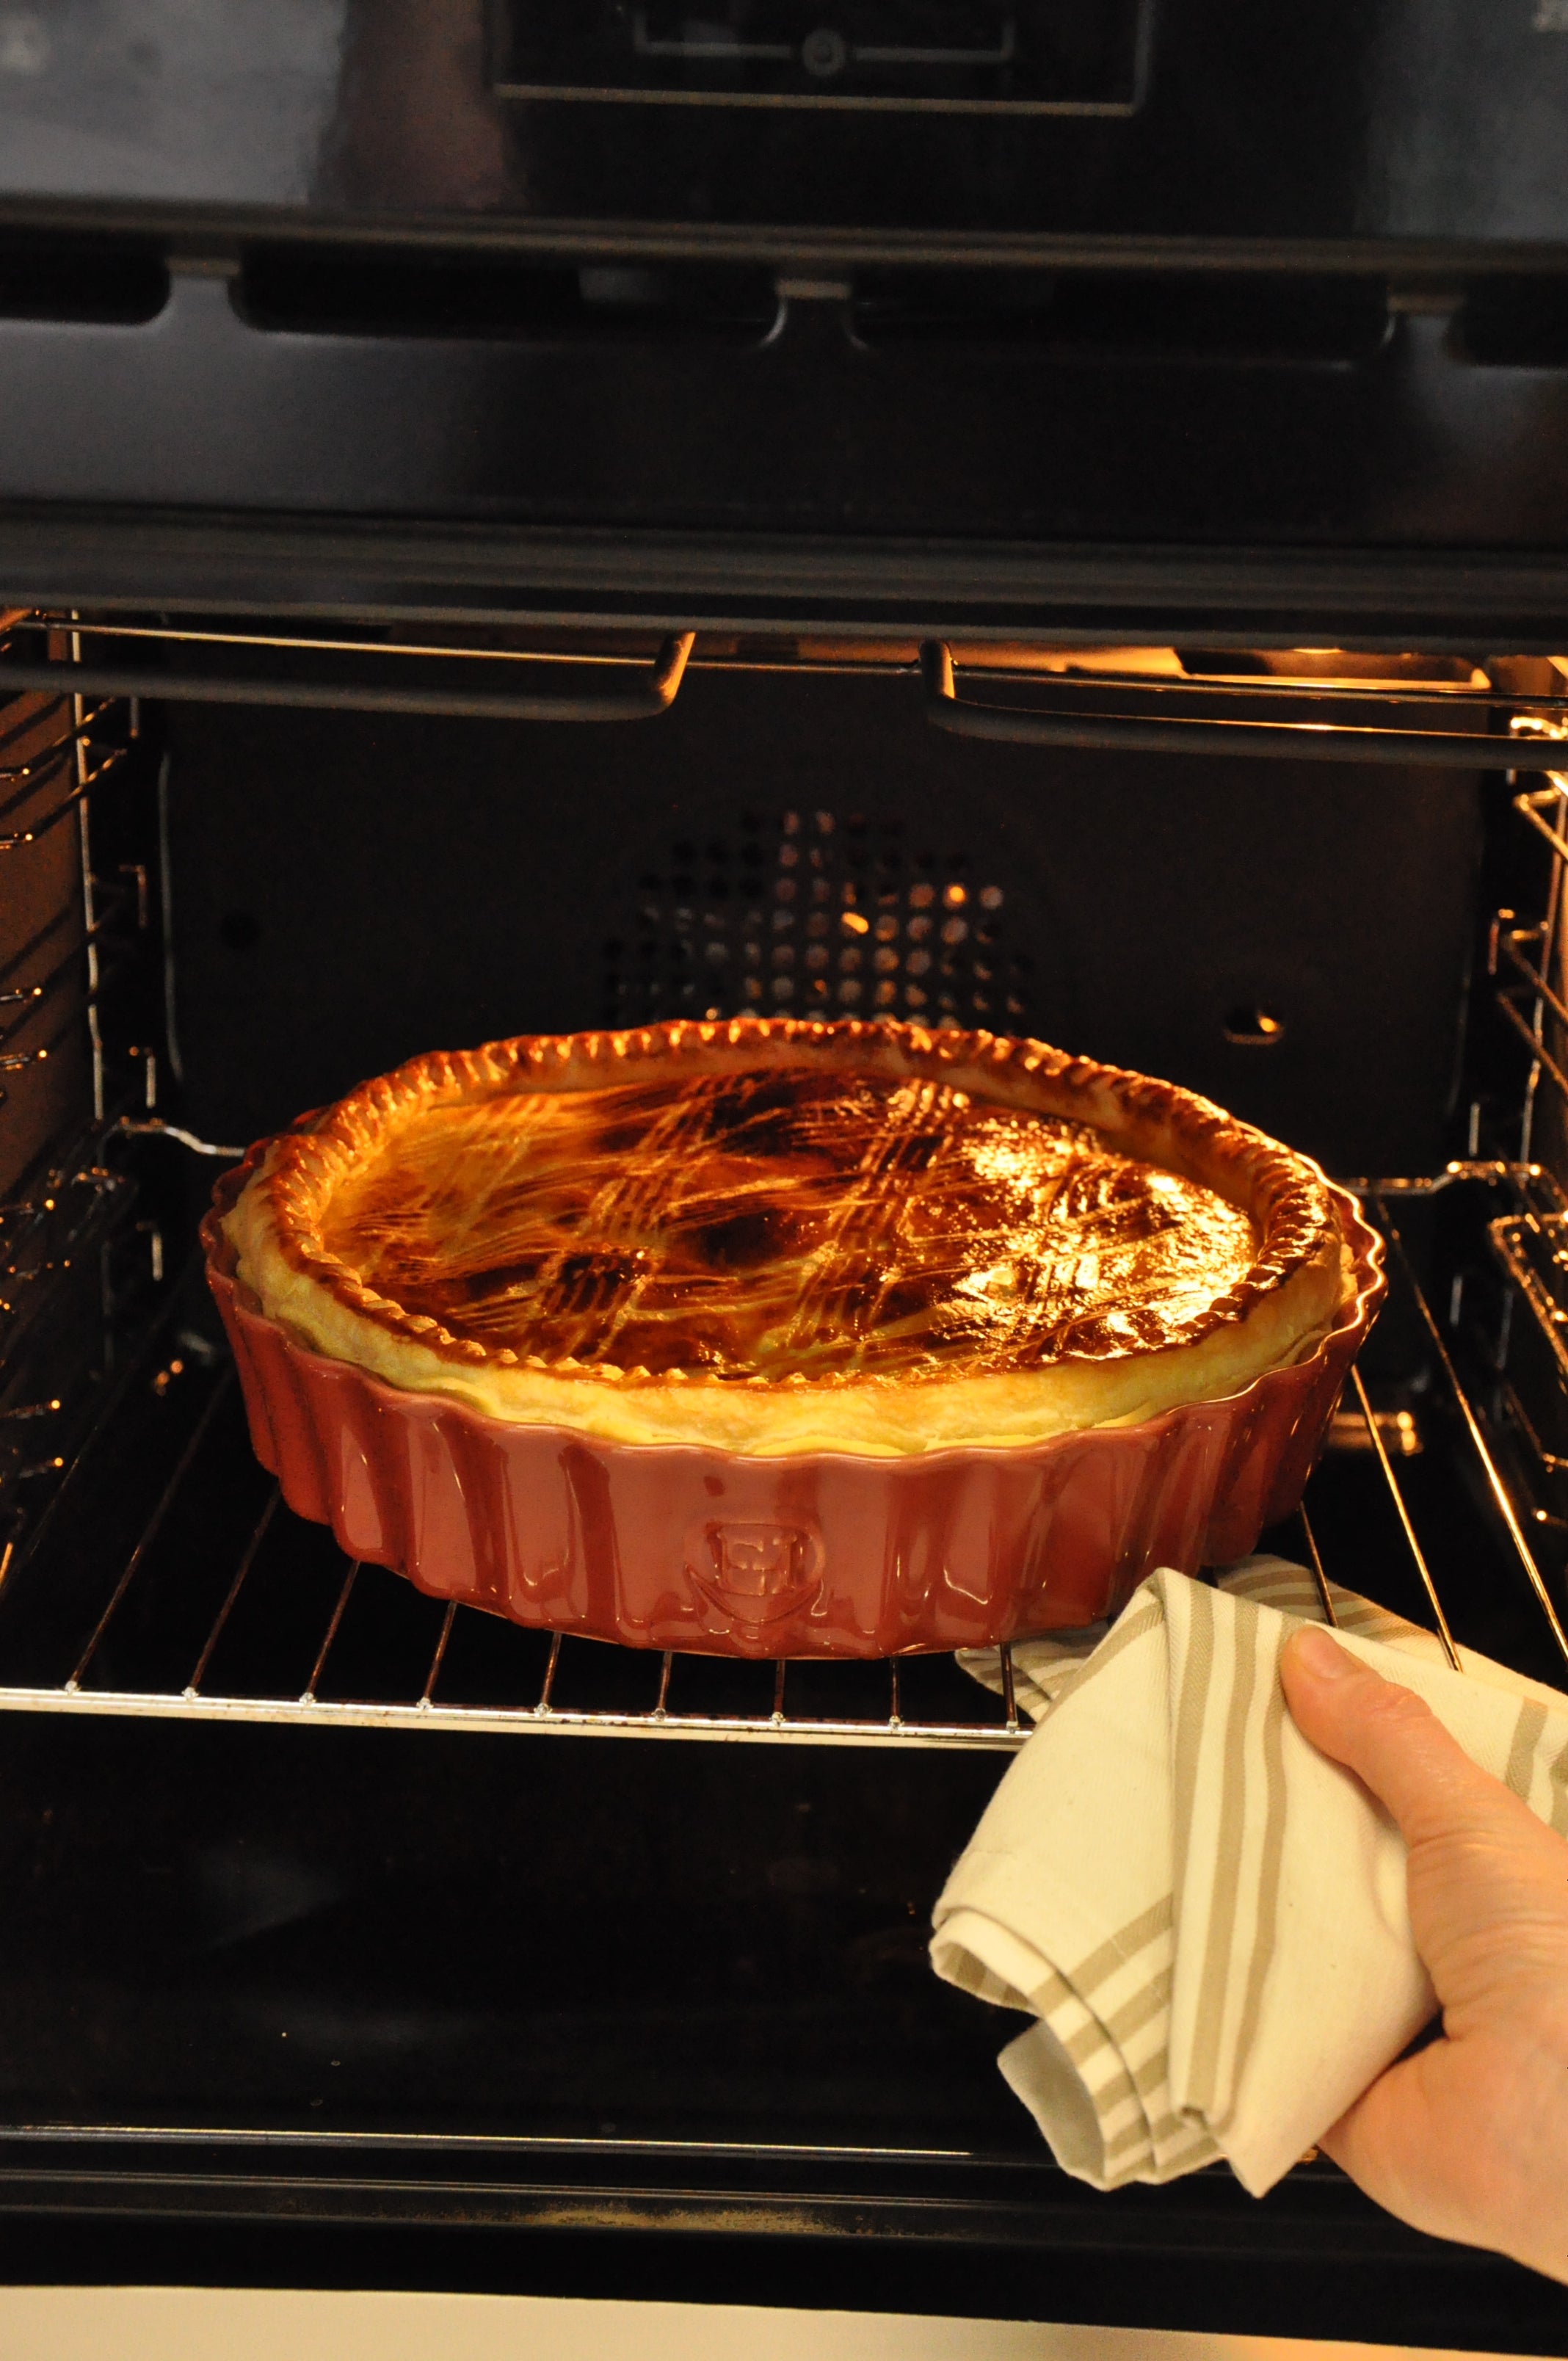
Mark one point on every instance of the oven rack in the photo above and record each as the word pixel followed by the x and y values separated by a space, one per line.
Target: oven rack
pixel 63 1646
pixel 1446 711
pixel 220 1605
pixel 538 1683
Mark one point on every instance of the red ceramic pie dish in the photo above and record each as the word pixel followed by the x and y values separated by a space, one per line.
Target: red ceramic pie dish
pixel 823 1554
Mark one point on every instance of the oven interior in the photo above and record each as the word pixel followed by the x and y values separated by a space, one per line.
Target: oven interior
pixel 319 1863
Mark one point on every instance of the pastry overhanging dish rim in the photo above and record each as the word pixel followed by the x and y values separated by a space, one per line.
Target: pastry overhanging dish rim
pixel 1283 1321
pixel 1358 1310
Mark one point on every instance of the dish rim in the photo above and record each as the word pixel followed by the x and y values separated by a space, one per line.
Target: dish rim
pixel 1357 1311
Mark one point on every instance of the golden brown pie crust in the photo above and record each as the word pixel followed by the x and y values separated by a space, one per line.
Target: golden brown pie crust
pixel 775 1237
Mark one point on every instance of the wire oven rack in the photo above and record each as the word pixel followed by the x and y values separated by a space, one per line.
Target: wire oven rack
pixel 168 1578
pixel 216 1602
pixel 1313 703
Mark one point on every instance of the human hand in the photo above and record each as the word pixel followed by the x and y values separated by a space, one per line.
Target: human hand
pixel 1467 2138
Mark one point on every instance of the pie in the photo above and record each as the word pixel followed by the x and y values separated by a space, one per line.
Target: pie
pixel 773 1237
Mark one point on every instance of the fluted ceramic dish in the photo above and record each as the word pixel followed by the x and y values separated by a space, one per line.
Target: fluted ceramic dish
pixel 823 1554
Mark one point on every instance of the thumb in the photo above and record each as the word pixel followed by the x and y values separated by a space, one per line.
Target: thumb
pixel 1390 1737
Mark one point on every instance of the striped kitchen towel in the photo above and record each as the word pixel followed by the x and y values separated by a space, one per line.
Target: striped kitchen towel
pixel 1206 1917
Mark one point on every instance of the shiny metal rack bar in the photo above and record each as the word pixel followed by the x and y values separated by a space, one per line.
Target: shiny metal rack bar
pixel 190 660
pixel 86 783
pixel 1068 722
pixel 539 1715
pixel 1491 1473
pixel 493 695
pixel 1042 667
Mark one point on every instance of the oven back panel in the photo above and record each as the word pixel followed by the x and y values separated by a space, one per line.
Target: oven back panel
pixel 349 891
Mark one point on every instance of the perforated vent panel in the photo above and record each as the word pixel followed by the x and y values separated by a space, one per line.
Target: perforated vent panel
pixel 805 913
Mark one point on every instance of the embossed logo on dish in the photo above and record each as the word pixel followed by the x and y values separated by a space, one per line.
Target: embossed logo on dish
pixel 758 1573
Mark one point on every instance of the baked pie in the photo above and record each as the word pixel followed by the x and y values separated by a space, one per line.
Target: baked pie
pixel 682 1258
pixel 777 1237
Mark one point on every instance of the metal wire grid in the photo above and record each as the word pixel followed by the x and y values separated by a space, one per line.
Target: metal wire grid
pixel 538 1706
pixel 676 1686
pixel 1525 1183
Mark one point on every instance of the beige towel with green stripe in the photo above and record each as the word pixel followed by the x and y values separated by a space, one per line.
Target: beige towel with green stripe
pixel 1206 1919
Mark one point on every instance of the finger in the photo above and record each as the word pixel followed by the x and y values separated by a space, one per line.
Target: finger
pixel 1390 1737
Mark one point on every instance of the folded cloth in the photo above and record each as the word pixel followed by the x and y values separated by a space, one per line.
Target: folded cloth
pixel 1207 1917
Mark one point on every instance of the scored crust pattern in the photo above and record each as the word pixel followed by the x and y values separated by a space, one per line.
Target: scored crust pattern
pixel 780 1223
pixel 960 1208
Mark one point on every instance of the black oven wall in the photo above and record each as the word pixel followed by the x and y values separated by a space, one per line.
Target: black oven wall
pixel 1293 938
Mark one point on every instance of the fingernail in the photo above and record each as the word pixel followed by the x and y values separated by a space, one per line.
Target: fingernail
pixel 1321 1656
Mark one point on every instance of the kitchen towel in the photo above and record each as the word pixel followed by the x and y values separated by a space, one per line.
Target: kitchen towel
pixel 1205 1917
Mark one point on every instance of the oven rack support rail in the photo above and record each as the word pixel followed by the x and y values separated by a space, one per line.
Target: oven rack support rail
pixel 71 1215
pixel 485 674
pixel 676 1711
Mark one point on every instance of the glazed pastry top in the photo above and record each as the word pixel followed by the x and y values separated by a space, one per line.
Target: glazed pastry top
pixel 780 1237
pixel 779 1222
